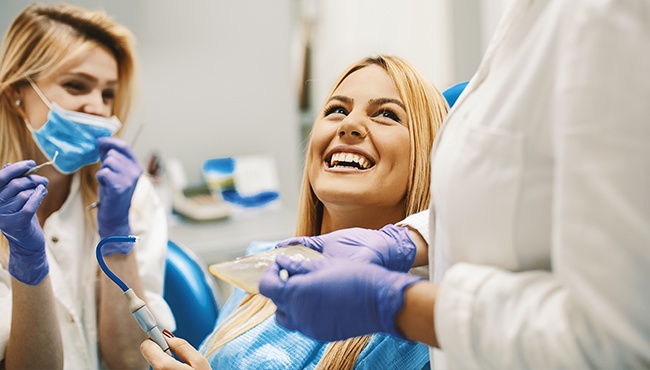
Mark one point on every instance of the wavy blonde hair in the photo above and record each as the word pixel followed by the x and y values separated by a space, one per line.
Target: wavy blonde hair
pixel 426 108
pixel 40 41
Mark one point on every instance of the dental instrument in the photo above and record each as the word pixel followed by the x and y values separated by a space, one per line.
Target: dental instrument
pixel 92 205
pixel 245 272
pixel 139 310
pixel 36 168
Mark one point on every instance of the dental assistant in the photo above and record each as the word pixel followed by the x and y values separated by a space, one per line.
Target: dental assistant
pixel 67 78
pixel 540 211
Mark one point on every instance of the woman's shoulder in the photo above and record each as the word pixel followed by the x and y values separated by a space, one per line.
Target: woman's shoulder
pixel 385 351
pixel 268 346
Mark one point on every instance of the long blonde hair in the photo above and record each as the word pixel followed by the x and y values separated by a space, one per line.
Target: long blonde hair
pixel 38 43
pixel 426 108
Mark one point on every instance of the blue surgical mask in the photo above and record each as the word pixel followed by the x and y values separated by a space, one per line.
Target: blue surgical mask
pixel 72 134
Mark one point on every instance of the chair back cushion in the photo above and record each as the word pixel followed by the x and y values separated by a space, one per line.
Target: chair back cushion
pixel 190 294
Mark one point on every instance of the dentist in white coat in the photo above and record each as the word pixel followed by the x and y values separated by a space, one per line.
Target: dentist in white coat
pixel 540 212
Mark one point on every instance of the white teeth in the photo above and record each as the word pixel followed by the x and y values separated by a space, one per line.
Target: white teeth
pixel 363 162
pixel 349 158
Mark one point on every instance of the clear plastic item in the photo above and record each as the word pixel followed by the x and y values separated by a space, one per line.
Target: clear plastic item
pixel 246 272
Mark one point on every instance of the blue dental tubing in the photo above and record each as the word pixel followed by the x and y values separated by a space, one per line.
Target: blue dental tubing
pixel 138 309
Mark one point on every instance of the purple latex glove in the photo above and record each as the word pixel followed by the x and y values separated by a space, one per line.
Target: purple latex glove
pixel 117 177
pixel 20 197
pixel 333 299
pixel 390 247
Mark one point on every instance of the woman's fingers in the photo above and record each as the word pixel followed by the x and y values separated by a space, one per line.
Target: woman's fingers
pixel 12 170
pixel 188 354
pixel 159 360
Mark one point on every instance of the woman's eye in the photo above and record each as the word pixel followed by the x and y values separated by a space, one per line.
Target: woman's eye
pixel 335 110
pixel 75 86
pixel 108 95
pixel 386 113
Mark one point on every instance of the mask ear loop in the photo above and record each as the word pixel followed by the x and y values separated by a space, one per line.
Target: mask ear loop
pixel 40 95
pixel 39 92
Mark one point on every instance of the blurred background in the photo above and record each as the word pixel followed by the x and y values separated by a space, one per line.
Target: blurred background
pixel 238 78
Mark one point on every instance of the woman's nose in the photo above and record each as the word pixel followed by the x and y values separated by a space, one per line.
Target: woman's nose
pixel 353 128
pixel 97 106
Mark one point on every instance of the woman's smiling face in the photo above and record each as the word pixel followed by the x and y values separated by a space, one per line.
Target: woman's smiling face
pixel 359 148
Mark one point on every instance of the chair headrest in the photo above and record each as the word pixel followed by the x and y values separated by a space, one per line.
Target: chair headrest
pixel 452 93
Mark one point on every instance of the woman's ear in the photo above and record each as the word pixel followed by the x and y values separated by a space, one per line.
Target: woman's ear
pixel 16 94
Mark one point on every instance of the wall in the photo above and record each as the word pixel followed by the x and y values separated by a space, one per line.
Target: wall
pixel 422 31
pixel 216 79
pixel 490 13
pixel 220 77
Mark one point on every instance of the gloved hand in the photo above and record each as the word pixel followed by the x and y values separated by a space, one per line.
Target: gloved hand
pixel 333 299
pixel 20 197
pixel 117 177
pixel 390 247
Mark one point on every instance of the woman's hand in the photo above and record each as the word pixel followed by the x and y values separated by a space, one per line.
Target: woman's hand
pixel 159 360
pixel 117 177
pixel 20 197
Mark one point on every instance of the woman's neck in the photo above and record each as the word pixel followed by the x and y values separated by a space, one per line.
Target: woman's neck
pixel 336 218
pixel 58 189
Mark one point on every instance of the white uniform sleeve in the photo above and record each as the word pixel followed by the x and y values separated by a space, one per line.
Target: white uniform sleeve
pixel 149 222
pixel 592 309
pixel 5 310
pixel 418 221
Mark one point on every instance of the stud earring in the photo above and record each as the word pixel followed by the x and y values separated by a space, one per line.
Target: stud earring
pixel 19 102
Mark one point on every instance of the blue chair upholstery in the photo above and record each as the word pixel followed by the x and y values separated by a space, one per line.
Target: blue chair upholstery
pixel 191 294
pixel 452 93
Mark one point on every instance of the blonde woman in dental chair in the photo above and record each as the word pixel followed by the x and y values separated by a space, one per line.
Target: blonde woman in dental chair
pixel 367 165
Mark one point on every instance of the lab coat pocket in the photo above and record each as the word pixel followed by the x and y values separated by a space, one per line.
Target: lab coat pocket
pixel 485 188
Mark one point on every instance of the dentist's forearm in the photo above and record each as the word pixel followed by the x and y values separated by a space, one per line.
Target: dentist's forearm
pixel 35 338
pixel 416 319
pixel 119 333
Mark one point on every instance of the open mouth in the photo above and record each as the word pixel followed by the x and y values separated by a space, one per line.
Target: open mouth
pixel 350 160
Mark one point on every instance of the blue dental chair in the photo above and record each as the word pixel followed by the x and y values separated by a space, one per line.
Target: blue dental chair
pixel 452 93
pixel 191 293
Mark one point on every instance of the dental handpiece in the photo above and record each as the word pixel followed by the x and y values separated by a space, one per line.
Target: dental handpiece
pixel 146 320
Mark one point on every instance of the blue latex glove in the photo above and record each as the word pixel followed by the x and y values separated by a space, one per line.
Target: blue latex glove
pixel 390 247
pixel 20 197
pixel 333 299
pixel 117 177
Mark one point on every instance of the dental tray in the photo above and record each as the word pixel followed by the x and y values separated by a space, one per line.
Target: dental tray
pixel 246 272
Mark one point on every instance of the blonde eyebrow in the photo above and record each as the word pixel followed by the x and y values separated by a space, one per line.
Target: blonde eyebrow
pixel 342 98
pixel 381 101
pixel 88 77
pixel 373 102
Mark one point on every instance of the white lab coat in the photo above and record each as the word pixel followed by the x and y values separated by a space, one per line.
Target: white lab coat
pixel 74 272
pixel 541 194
